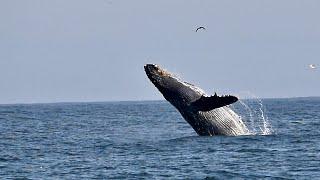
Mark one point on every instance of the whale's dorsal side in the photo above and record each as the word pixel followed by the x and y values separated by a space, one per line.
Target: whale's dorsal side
pixel 208 103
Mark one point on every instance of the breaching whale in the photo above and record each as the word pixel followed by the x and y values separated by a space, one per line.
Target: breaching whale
pixel 208 115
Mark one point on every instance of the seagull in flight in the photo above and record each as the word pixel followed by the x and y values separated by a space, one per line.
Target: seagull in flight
pixel 201 27
pixel 312 66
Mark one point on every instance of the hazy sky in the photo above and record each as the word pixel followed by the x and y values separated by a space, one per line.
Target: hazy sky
pixel 94 50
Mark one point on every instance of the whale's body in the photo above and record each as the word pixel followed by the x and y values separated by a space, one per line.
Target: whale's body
pixel 208 115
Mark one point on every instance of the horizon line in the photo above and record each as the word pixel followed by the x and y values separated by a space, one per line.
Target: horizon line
pixel 117 101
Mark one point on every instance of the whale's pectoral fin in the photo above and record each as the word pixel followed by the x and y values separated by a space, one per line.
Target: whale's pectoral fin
pixel 212 102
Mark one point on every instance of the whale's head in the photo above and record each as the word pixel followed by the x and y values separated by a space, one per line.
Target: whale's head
pixel 174 90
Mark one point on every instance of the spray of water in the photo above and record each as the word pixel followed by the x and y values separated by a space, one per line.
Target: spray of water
pixel 253 114
pixel 250 123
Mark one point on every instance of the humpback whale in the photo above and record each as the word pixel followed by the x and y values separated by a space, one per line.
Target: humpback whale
pixel 207 115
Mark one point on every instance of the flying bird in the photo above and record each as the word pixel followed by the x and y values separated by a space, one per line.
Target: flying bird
pixel 312 66
pixel 201 27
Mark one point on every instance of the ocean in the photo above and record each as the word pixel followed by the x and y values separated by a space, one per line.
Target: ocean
pixel 150 140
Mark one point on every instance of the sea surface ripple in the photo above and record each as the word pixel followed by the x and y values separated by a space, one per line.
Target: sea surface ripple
pixel 150 140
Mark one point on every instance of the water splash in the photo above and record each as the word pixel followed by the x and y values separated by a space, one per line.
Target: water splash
pixel 252 113
pixel 251 120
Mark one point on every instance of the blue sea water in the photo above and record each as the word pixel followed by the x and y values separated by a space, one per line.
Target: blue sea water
pixel 150 140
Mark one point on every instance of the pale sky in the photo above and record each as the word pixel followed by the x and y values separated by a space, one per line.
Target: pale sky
pixel 94 50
